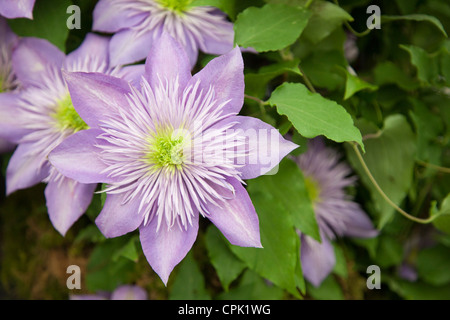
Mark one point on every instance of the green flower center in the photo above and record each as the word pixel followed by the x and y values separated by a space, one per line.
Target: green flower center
pixel 178 6
pixel 313 189
pixel 66 116
pixel 166 150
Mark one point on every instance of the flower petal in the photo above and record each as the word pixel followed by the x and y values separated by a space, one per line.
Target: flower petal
pixel 128 292
pixel 237 218
pixel 118 218
pixel 78 158
pixel 317 259
pixel 17 8
pixel 355 221
pixel 94 49
pixel 226 75
pixel 129 46
pixel 133 74
pixel 219 44
pixel 95 95
pixel 167 61
pixel 165 248
pixel 25 169
pixel 110 16
pixel 10 115
pixel 66 201
pixel 264 147
pixel 34 59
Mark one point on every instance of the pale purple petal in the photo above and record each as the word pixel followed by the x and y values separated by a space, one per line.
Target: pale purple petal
pixel 6 146
pixel 166 62
pixel 34 59
pixel 119 217
pixel 355 222
pixel 265 147
pixel 226 75
pixel 11 127
pixel 108 17
pixel 165 248
pixel 128 292
pixel 93 47
pixel 215 45
pixel 12 9
pixel 66 201
pixel 25 169
pixel 129 46
pixel 78 158
pixel 237 218
pixel 7 37
pixel 96 95
pixel 318 259
pixel 132 74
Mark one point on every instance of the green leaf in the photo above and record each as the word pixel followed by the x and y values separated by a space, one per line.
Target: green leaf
pixel 128 251
pixel 326 17
pixel 288 189
pixel 278 259
pixel 253 287
pixel 442 222
pixel 328 290
pixel 227 265
pixel 313 115
pixel 354 84
pixel 189 283
pixel 103 271
pixel 416 17
pixel 419 290
pixel 427 66
pixel 432 265
pixel 390 156
pixel 272 27
pixel 49 22
pixel 388 72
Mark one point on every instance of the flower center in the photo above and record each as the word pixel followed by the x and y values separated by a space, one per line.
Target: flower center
pixel 178 6
pixel 312 188
pixel 66 116
pixel 166 150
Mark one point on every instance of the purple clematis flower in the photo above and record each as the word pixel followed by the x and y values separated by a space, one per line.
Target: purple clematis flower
pixel 12 9
pixel 124 292
pixel 137 23
pixel 8 81
pixel 337 215
pixel 41 115
pixel 170 151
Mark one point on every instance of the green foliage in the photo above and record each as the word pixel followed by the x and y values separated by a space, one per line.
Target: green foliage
pixel 272 27
pixel 49 22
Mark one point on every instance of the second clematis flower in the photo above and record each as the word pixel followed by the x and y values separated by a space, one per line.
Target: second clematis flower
pixel 12 9
pixel 41 115
pixel 137 23
pixel 170 151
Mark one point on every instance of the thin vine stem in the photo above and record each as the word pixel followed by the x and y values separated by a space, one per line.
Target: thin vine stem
pixel 433 166
pixel 381 192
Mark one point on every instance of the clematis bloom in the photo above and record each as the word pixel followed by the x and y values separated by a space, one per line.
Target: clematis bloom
pixel 170 151
pixel 137 23
pixel 41 115
pixel 8 81
pixel 12 9
pixel 337 215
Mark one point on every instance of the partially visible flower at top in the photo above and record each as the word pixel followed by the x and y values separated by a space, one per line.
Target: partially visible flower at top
pixel 137 23
pixel 171 150
pixel 41 115
pixel 326 178
pixel 8 82
pixel 12 9
pixel 124 292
